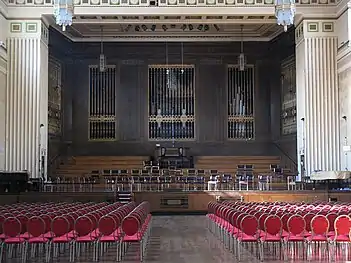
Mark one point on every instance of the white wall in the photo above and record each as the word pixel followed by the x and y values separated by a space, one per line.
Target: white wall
pixel 3 70
pixel 344 78
pixel 342 28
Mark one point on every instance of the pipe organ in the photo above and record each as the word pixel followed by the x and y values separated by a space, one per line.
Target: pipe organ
pixel 288 91
pixel 102 104
pixel 241 121
pixel 171 102
pixel 54 98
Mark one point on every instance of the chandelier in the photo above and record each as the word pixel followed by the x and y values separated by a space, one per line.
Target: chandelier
pixel 242 57
pixel 63 12
pixel 285 12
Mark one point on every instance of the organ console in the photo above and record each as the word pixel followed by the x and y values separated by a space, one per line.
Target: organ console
pixel 176 157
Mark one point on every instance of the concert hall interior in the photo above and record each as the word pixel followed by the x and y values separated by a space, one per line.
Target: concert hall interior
pixel 173 130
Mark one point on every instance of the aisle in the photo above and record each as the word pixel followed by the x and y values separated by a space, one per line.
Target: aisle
pixel 183 239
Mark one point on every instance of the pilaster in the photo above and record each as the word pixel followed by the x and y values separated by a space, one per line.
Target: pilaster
pixel 3 74
pixel 318 133
pixel 27 97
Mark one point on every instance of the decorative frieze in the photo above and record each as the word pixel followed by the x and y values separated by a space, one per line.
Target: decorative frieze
pixel 153 3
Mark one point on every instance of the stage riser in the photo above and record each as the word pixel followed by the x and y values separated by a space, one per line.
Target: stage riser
pixel 187 202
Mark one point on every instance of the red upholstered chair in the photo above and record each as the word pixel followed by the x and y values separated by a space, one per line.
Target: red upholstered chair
pixel 285 218
pixel 296 230
pixel 12 230
pixel 2 235
pixel 331 218
pixel 36 229
pixel 108 227
pixel 319 233
pixel 60 229
pixel 342 226
pixel 85 230
pixel 248 233
pixel 308 219
pixel 273 228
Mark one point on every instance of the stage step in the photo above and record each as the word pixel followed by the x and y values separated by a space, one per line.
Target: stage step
pixel 124 197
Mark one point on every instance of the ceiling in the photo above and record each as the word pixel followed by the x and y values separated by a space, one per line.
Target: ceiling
pixel 157 28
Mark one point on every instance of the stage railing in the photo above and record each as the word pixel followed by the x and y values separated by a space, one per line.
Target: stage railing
pixel 172 180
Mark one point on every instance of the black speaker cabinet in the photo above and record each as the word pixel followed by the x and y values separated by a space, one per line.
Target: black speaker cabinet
pixel 13 182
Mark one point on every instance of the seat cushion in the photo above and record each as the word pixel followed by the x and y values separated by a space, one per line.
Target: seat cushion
pixel 110 238
pixel 247 238
pixel 87 238
pixel 317 238
pixel 135 238
pixel 293 238
pixel 14 240
pixel 38 240
pixel 340 238
pixel 62 239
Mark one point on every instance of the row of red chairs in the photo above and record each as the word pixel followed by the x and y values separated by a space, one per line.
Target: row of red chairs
pixel 62 226
pixel 237 223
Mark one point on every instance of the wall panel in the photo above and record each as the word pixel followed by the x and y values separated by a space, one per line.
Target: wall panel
pixel 210 61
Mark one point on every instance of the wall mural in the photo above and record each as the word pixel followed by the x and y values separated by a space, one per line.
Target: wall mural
pixel 241 125
pixel 54 99
pixel 288 91
pixel 171 102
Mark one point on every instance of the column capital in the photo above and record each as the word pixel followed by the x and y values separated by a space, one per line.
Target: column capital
pixel 308 28
pixel 28 29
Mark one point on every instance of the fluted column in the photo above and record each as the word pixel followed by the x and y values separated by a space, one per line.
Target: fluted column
pixel 27 97
pixel 3 73
pixel 318 136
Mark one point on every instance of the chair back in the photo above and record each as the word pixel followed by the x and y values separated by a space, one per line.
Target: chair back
pixel 320 225
pixel 130 225
pixel 60 226
pixel 2 219
pixel 36 226
pixel 296 225
pixel 12 227
pixel 331 218
pixel 308 219
pixel 107 225
pixel 342 225
pixel 249 225
pixel 273 225
pixel 83 226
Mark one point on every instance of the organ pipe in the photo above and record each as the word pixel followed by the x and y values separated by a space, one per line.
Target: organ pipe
pixel 240 103
pixel 102 103
pixel 171 102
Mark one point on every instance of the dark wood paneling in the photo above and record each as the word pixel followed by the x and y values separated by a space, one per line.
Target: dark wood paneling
pixel 132 60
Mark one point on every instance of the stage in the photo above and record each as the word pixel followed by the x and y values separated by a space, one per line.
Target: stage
pixel 180 201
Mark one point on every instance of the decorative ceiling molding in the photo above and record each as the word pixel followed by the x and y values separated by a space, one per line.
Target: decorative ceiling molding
pixel 173 3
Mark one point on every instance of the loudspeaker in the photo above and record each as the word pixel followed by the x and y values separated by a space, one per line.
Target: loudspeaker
pixel 13 182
